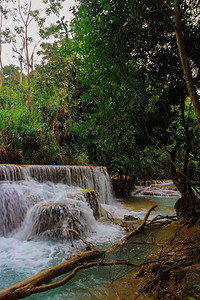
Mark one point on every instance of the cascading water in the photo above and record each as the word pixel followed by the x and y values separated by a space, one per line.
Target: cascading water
pixel 37 206
pixel 89 178
pixel 34 199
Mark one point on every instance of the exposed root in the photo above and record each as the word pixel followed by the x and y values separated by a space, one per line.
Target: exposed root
pixel 164 278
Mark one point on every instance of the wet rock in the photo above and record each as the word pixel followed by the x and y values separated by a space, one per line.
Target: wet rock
pixel 92 199
pixel 163 189
pixel 57 216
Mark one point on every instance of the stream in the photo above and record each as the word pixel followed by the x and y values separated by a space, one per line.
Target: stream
pixel 26 248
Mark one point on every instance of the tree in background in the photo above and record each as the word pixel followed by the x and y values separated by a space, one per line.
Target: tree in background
pixel 5 34
pixel 27 16
pixel 19 52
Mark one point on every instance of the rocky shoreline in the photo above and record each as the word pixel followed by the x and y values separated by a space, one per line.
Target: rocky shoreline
pixel 155 188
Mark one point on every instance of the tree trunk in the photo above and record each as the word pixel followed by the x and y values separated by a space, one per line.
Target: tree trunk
pixel 35 284
pixel 1 74
pixel 1 64
pixel 30 78
pixel 21 69
pixel 188 206
pixel 29 96
pixel 185 62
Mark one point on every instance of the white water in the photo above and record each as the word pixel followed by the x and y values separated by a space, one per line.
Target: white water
pixel 88 178
pixel 27 205
pixel 32 202
pixel 35 200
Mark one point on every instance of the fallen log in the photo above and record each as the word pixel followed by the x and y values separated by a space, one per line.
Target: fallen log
pixel 42 281
pixel 34 284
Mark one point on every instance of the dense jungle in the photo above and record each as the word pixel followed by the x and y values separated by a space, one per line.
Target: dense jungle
pixel 117 86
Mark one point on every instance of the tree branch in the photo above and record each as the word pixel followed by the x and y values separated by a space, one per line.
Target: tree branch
pixel 75 264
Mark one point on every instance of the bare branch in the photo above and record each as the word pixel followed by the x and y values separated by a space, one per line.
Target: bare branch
pixel 89 245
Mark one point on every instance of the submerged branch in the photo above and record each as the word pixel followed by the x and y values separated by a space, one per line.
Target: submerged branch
pixel 31 285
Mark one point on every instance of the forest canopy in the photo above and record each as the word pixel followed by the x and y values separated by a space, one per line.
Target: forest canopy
pixel 114 88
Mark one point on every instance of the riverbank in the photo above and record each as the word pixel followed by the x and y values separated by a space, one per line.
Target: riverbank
pixel 174 275
pixel 177 274
pixel 175 250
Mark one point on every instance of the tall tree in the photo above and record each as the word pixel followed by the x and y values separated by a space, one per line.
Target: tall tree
pixel 184 55
pixel 140 30
pixel 19 31
pixel 28 16
pixel 5 34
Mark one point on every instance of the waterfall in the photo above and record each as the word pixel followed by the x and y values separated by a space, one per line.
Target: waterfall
pixel 88 178
pixel 40 199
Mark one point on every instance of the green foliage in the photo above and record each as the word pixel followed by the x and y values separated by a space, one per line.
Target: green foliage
pixel 131 62
pixel 95 97
pixel 46 134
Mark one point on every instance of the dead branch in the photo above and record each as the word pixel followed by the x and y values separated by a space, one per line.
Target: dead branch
pixel 130 234
pixel 122 223
pixel 38 283
pixel 163 273
pixel 69 235
pixel 146 217
pixel 160 217
pixel 31 286
pixel 156 224
pixel 90 246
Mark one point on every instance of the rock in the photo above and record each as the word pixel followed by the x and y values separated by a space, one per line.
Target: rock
pixel 59 216
pixel 92 199
pixel 163 189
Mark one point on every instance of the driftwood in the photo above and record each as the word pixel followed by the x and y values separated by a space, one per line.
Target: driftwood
pixel 42 281
pixel 123 222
